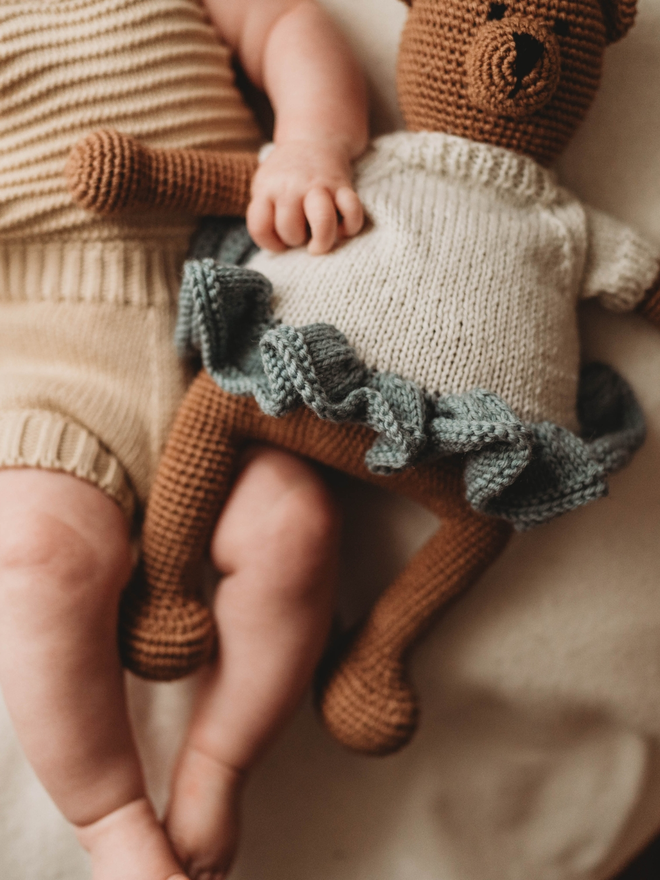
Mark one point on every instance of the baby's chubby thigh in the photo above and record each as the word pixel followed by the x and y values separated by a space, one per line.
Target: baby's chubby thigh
pixel 64 559
pixel 65 554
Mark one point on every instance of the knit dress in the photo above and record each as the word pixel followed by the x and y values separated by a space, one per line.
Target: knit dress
pixel 89 380
pixel 448 325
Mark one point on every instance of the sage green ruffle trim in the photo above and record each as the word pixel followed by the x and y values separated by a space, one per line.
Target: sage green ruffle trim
pixel 524 473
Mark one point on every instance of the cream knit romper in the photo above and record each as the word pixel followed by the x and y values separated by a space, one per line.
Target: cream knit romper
pixel 89 379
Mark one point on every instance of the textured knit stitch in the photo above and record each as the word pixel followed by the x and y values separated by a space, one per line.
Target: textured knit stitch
pixel 468 275
pixel 496 87
pixel 211 428
pixel 462 68
pixel 88 305
pixel 108 173
pixel 45 439
pixel 150 68
pixel 525 473
pixel 108 373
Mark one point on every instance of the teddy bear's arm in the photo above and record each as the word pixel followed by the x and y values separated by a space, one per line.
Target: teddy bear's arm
pixel 621 267
pixel 108 173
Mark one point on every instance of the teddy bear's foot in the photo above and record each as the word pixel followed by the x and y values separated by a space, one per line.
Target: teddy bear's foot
pixel 105 171
pixel 367 703
pixel 167 638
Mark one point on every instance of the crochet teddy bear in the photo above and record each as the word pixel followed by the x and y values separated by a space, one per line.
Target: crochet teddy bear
pixel 435 354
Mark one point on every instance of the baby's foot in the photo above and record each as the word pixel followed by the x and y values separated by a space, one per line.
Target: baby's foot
pixel 202 820
pixel 129 844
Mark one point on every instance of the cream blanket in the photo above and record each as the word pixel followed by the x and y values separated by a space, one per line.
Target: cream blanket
pixel 537 756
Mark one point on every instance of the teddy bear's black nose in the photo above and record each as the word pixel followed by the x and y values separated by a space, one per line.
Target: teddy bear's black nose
pixel 529 52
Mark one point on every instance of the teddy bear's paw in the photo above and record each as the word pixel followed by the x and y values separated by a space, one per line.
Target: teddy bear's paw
pixel 105 172
pixel 167 639
pixel 367 703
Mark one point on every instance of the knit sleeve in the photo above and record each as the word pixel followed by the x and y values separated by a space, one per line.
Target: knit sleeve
pixel 620 265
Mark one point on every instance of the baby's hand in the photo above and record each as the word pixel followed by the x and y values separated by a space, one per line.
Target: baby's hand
pixel 302 192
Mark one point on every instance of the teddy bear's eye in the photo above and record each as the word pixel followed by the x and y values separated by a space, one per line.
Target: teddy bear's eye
pixel 496 11
pixel 561 27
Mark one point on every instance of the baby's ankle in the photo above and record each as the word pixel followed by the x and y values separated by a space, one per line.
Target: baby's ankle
pixel 129 844
pixel 137 812
pixel 203 819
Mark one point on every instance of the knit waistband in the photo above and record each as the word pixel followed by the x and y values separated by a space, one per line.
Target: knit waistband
pixel 118 272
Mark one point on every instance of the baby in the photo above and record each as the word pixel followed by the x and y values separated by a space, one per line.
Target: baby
pixel 89 383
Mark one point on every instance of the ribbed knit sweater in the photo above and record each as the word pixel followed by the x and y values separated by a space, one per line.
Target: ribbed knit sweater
pixel 149 68
pixel 468 274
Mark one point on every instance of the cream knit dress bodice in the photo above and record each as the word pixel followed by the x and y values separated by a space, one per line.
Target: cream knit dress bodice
pixel 467 274
pixel 153 69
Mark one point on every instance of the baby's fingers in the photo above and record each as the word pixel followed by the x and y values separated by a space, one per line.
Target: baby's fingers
pixel 350 208
pixel 319 207
pixel 260 219
pixel 290 222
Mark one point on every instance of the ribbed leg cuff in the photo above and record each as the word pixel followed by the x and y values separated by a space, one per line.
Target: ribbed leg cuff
pixel 42 439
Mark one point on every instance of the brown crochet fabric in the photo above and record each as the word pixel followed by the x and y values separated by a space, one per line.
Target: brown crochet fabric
pixel 619 17
pixel 498 87
pixel 519 74
pixel 108 172
pixel 369 705
pixel 366 702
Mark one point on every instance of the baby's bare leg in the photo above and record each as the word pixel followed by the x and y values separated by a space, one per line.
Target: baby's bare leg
pixel 276 544
pixel 64 559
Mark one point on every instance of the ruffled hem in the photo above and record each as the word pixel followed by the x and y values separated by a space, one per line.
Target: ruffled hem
pixel 526 473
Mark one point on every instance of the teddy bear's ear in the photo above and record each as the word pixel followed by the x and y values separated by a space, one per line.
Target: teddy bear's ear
pixel 408 2
pixel 619 17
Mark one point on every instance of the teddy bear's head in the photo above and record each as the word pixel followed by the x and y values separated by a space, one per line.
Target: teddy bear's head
pixel 519 74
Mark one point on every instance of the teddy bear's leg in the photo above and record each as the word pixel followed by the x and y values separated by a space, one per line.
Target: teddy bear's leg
pixel 165 631
pixel 367 702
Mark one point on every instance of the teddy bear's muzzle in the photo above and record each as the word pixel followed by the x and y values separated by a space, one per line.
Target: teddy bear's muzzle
pixel 513 67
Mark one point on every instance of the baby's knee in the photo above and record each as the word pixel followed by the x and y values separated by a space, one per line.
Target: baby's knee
pixel 301 546
pixel 48 561
pixel 280 512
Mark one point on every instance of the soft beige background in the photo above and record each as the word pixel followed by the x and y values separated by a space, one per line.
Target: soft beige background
pixel 538 753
